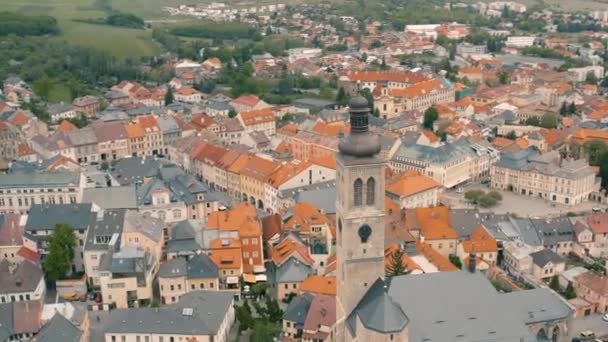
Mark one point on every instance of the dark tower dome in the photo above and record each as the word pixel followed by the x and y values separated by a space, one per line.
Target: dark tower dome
pixel 359 143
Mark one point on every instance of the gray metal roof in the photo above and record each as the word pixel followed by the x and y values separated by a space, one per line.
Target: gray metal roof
pixel 149 226
pixel 443 154
pixel 200 266
pixel 209 308
pixel 117 197
pixel 543 257
pixel 45 216
pixel 464 221
pixel 183 245
pixel 40 180
pixel 293 270
pixel 552 231
pixel 59 329
pixel 83 136
pixel 297 309
pixel 460 306
pixel 103 225
pixel 133 170
pixel 24 277
pixel 378 311
pixel 537 305
pixel 549 164
pixel 173 268
pixel 6 321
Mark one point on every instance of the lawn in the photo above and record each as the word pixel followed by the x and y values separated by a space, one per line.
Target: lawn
pixel 121 42
pixel 59 93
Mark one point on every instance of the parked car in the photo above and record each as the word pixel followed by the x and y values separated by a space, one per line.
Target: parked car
pixel 73 297
pixel 605 317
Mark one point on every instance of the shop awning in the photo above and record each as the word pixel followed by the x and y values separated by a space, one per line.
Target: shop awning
pixel 249 278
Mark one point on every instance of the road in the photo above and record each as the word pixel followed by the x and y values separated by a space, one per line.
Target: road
pixel 592 322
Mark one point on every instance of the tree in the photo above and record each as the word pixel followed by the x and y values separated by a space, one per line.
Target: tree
pixel 169 96
pixel 603 164
pixel 554 284
pixel 570 293
pixel 591 78
pixel 244 317
pixel 473 195
pixel 486 201
pixel 503 77
pixel 511 135
pixel 264 331
pixel 563 110
pixel 42 87
pixel 259 289
pixel 369 97
pixel 430 115
pixel 548 120
pixel 383 66
pixel 275 313
pixel 572 108
pixel 61 251
pixel 455 260
pixel 595 150
pixel 397 266
pixel 232 113
pixel 532 121
pixel 495 194
pixel 341 98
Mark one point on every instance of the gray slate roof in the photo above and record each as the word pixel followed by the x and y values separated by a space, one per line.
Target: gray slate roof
pixel 450 306
pixel 133 170
pixel 59 329
pixel 208 311
pixel 198 267
pixel 6 321
pixel 149 226
pixel 297 309
pixel 293 271
pixel 45 216
pixel 42 180
pixel 117 197
pixel 103 225
pixel 24 278
pixel 543 257
pixel 378 311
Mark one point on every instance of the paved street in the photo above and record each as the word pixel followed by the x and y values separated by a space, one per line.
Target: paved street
pixel 523 206
pixel 593 323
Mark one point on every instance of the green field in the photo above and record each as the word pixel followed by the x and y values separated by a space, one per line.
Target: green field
pixel 121 42
pixel 59 93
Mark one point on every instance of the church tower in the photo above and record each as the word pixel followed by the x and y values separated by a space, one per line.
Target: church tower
pixel 359 210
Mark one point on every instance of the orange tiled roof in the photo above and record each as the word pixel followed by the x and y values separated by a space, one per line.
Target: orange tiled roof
pixel 382 76
pixel 410 183
pixel 501 143
pixel 25 150
pixel 430 135
pixel 435 223
pixel 242 218
pixel 328 161
pixel 470 70
pixel 227 258
pixel 247 100
pixel 148 122
pixel 258 116
pixel 408 262
pixel 66 126
pixel 259 168
pixel 19 119
pixel 480 241
pixel 134 130
pixel 417 89
pixel 306 215
pixel 319 284
pixel 442 263
pixel 286 248
pixel 331 129
pixel 187 91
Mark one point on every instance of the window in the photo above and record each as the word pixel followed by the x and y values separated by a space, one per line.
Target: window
pixel 193 287
pixel 254 241
pixel 358 192
pixel 177 213
pixel 137 338
pixel 172 288
pixel 123 338
pixel 211 285
pixel 113 338
pixel 202 286
pixel 286 286
pixel 245 241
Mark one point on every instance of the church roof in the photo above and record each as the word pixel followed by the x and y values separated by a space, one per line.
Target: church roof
pixel 377 311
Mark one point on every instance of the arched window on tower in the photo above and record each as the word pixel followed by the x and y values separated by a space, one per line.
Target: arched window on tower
pixel 371 191
pixel 358 192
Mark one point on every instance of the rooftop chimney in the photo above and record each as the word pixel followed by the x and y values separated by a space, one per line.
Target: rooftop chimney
pixel 472 262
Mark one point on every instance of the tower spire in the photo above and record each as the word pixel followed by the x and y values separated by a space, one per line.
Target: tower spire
pixel 360 142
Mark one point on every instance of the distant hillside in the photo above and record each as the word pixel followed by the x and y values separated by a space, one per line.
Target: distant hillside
pixel 23 25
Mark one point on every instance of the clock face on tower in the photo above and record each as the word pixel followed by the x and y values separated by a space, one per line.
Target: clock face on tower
pixel 364 233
